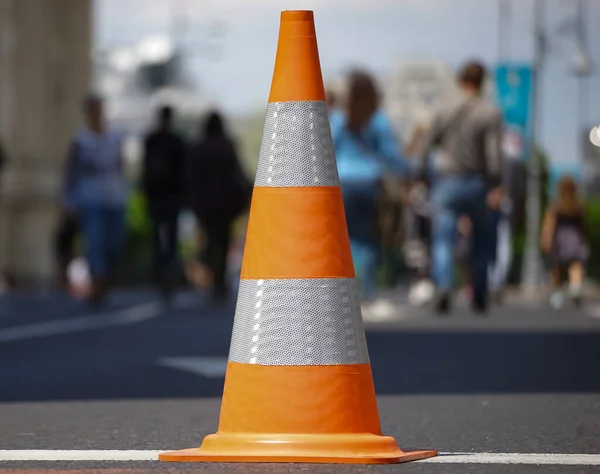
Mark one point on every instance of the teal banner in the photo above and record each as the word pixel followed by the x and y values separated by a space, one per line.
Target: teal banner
pixel 513 93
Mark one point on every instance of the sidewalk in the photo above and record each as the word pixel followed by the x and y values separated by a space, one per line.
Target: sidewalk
pixel 518 311
pixel 590 292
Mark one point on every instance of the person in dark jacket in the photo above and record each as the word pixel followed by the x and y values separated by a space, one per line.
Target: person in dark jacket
pixel 163 182
pixel 219 193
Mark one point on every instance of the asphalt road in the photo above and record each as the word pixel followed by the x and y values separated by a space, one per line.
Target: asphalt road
pixel 139 376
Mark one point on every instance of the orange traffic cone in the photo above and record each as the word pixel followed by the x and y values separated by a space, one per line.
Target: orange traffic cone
pixel 298 386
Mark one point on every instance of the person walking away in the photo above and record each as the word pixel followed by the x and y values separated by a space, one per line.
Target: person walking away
pixel 468 133
pixel 565 239
pixel 97 190
pixel 163 183
pixel 417 222
pixel 366 150
pixel 220 191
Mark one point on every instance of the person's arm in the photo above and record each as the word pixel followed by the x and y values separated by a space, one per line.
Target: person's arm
pixel 181 167
pixel 2 157
pixel 193 155
pixel 145 154
pixel 423 150
pixel 70 178
pixel 493 150
pixel 547 233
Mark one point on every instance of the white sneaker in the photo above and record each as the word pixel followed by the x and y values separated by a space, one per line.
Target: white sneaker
pixel 379 309
pixel 557 299
pixel 421 293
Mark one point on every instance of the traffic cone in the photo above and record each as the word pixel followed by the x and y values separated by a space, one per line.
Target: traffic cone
pixel 298 386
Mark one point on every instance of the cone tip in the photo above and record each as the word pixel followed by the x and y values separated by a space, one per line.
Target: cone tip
pixel 297 15
pixel 297 74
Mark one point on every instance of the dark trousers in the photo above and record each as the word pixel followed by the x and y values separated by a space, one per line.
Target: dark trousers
pixel 104 230
pixel 451 197
pixel 218 233
pixel 165 235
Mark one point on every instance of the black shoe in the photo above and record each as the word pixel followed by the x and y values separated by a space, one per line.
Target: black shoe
pixel 479 305
pixel 442 305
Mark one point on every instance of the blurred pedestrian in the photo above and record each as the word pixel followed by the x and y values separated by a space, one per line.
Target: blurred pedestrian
pixel 96 192
pixel 163 181
pixel 219 191
pixel 367 152
pixel 332 101
pixel 565 239
pixel 467 131
pixel 417 242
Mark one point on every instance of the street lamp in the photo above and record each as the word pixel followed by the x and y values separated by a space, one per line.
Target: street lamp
pixel 595 136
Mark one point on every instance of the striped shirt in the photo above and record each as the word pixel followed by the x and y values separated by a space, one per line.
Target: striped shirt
pixel 468 134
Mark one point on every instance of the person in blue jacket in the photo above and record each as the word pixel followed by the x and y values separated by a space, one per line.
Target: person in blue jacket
pixel 366 148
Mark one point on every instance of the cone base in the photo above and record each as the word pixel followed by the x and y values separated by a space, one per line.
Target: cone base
pixel 343 449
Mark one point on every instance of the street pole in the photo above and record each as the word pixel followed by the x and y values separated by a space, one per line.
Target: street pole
pixel 532 266
pixel 582 90
pixel 503 14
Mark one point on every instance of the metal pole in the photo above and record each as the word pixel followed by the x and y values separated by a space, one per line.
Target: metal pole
pixel 532 267
pixel 501 36
pixel 582 92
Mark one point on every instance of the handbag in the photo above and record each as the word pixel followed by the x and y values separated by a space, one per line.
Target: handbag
pixel 391 199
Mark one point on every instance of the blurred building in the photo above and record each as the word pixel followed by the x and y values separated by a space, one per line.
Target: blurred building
pixel 413 90
pixel 137 79
pixel 410 92
pixel 44 72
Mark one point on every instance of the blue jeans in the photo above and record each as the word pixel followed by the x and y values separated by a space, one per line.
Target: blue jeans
pixel 360 205
pixel 452 197
pixel 104 230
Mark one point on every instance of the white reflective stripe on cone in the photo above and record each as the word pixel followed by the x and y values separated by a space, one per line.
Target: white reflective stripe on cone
pixel 296 147
pixel 313 321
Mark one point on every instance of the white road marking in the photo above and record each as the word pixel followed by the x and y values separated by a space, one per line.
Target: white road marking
pixel 123 317
pixel 152 455
pixel 73 455
pixel 210 367
pixel 517 458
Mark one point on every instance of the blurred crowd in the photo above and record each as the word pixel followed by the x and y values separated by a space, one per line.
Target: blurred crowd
pixel 205 176
pixel 440 198
pixel 443 195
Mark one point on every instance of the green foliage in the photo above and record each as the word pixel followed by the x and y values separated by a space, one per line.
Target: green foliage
pixel 592 206
pixel 138 222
